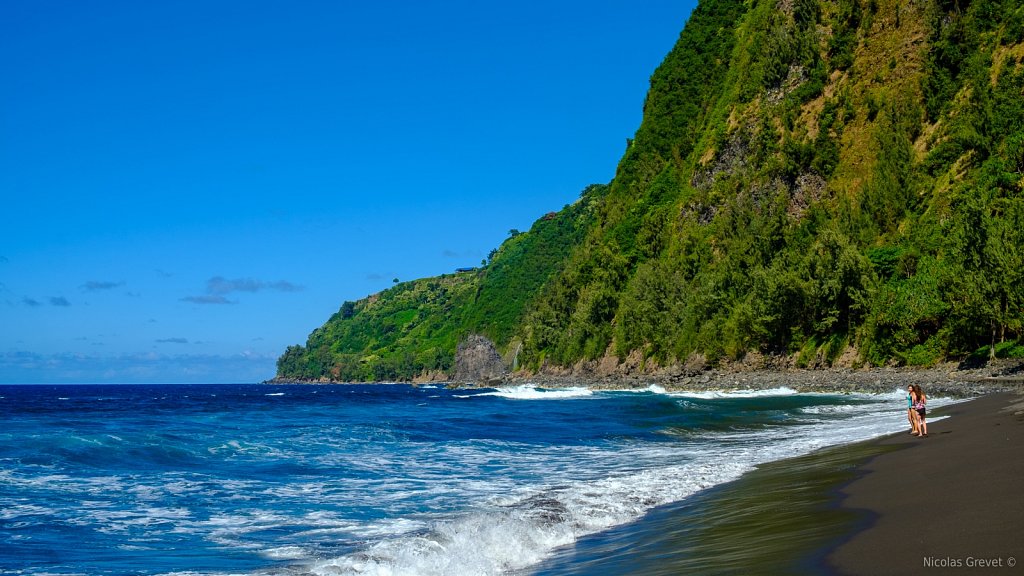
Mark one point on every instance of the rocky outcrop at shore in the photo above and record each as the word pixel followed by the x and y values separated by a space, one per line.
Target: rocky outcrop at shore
pixel 481 367
pixel 943 380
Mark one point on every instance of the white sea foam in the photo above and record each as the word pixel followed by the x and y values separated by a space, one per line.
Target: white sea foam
pixel 715 394
pixel 275 394
pixel 832 409
pixel 388 528
pixel 499 538
pixel 285 553
pixel 652 389
pixel 520 527
pixel 10 511
pixel 527 392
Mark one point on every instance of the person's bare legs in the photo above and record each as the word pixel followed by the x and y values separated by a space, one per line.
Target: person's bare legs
pixel 912 418
pixel 911 413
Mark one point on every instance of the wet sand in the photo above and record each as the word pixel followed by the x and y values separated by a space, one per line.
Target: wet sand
pixel 886 506
pixel 780 518
pixel 951 503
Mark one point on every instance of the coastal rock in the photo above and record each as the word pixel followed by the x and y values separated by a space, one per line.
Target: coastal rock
pixel 428 376
pixel 476 360
pixel 940 380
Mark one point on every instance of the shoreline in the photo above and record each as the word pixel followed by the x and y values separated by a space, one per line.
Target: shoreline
pixel 755 524
pixel 941 381
pixel 948 502
pixel 843 509
pixel 944 380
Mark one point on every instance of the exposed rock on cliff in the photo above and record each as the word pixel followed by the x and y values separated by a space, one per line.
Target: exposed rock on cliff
pixel 476 360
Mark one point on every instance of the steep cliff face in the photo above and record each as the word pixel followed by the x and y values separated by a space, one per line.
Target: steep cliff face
pixel 811 180
pixel 818 195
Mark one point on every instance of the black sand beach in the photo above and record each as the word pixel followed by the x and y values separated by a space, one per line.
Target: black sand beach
pixel 950 503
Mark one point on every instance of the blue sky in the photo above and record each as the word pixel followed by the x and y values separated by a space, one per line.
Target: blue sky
pixel 190 187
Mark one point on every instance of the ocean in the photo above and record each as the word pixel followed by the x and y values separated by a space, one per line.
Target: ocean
pixel 378 479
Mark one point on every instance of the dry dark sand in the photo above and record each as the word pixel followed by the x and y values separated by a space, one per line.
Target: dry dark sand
pixel 951 503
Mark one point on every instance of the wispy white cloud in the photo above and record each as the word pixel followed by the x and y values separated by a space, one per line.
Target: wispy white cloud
pixel 207 299
pixel 58 301
pixel 97 285
pixel 218 287
pixel 221 285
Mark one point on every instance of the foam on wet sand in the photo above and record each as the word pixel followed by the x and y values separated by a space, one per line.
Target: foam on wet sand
pixel 950 503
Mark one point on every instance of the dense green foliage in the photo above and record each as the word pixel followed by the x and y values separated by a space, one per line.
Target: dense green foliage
pixel 413 328
pixel 810 179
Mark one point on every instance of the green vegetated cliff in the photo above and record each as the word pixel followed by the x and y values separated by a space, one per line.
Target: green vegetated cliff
pixel 812 180
pixel 413 328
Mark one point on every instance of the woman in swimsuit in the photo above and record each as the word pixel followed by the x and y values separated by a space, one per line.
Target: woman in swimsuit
pixel 911 413
pixel 919 406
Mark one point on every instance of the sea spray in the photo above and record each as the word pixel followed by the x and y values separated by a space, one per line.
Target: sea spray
pixel 386 479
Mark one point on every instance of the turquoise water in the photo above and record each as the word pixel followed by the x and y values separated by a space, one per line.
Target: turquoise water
pixel 372 479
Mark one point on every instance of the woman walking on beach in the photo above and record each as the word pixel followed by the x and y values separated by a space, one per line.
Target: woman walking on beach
pixel 919 406
pixel 911 413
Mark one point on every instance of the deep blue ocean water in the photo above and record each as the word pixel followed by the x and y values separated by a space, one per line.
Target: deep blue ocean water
pixel 371 479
